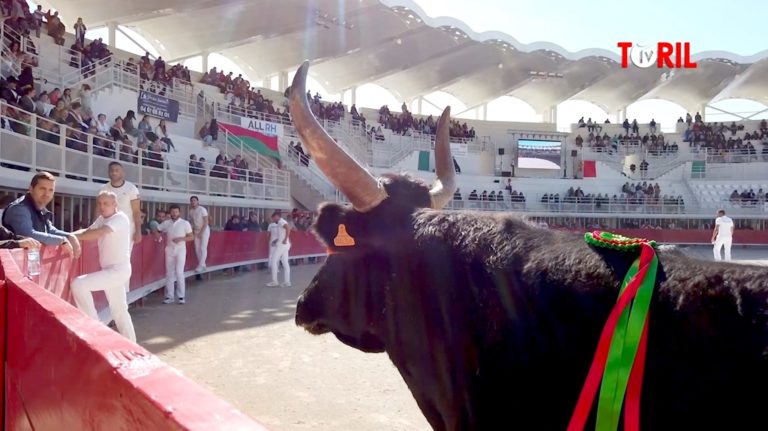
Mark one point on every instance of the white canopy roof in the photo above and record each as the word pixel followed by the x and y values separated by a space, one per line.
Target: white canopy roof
pixel 394 44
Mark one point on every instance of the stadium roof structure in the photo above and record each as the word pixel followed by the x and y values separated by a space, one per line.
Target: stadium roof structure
pixel 393 43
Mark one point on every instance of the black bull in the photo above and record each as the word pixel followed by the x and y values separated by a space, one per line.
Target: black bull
pixel 493 323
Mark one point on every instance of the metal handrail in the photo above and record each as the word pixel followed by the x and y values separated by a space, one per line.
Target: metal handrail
pixel 32 145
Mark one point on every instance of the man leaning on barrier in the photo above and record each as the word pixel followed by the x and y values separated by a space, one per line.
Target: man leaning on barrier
pixel 28 216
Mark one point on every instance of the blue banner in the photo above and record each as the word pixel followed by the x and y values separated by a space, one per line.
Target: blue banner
pixel 158 106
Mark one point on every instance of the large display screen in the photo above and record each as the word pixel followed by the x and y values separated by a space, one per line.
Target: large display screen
pixel 534 154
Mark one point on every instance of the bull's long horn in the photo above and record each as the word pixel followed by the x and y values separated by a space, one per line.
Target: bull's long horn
pixel 360 187
pixel 443 190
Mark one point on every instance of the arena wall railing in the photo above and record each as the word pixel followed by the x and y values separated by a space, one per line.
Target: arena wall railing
pixel 66 371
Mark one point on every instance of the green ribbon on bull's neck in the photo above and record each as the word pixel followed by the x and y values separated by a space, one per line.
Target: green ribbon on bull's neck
pixel 624 346
pixel 619 362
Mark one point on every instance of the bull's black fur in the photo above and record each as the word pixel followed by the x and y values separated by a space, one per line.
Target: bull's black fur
pixel 493 322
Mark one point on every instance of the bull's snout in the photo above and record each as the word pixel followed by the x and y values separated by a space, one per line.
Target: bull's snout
pixel 301 312
pixel 307 318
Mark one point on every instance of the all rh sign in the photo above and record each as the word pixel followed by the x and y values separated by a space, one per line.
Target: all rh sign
pixel 265 127
pixel 663 54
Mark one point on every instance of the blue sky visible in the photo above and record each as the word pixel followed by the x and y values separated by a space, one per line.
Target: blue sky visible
pixel 740 27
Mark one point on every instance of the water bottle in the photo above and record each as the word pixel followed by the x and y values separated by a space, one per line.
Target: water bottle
pixel 33 262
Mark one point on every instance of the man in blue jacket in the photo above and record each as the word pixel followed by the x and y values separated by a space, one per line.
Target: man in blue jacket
pixel 28 216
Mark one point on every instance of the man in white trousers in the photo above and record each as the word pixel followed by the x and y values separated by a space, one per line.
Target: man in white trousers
pixel 128 201
pixel 177 233
pixel 279 245
pixel 722 235
pixel 198 216
pixel 112 230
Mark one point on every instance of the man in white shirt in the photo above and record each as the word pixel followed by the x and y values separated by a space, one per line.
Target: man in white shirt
pixel 128 200
pixel 722 235
pixel 112 231
pixel 177 233
pixel 279 245
pixel 198 216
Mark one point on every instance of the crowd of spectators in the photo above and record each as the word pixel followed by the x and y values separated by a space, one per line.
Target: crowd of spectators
pixel 493 200
pixel 632 197
pixel 62 117
pixel 652 143
pixel 721 139
pixel 156 76
pixel 405 124
pixel 242 98
pixel 225 167
pixel 748 198
pixel 298 220
pixel 590 125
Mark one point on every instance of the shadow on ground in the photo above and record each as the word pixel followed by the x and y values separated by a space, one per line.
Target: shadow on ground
pixel 233 302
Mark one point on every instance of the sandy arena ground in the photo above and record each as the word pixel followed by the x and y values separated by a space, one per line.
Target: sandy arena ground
pixel 237 338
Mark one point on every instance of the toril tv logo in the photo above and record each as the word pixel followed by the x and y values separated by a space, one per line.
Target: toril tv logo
pixel 663 54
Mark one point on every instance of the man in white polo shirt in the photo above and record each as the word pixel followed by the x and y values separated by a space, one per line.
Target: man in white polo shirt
pixel 128 200
pixel 722 236
pixel 177 233
pixel 198 216
pixel 112 231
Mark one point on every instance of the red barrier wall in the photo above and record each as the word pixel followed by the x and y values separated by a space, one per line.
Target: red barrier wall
pixel 66 371
pixel 148 259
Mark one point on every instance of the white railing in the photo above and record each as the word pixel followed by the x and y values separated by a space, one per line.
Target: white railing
pixel 39 143
pixel 532 205
pixel 737 156
pixel 308 172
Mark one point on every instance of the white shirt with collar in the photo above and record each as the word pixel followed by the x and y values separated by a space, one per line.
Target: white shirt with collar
pixel 175 229
pixel 114 247
pixel 125 194
pixel 196 216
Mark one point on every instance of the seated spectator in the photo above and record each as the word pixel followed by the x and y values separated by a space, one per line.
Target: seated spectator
pixel 27 99
pixel 75 119
pixel 130 128
pixel 142 128
pixel 162 131
pixel 233 224
pixel 66 96
pixel 43 105
pixel 60 113
pixel 25 79
pixel 205 134
pixel 195 167
pixel 8 91
pixel 102 127
pixel 117 131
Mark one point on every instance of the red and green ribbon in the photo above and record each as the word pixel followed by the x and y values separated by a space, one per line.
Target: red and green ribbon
pixel 619 360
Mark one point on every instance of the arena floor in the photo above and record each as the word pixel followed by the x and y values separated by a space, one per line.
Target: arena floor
pixel 237 338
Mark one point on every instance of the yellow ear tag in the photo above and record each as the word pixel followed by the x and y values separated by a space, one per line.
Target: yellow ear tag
pixel 343 239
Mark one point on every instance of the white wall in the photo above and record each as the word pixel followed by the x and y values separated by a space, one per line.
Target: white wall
pixel 115 101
